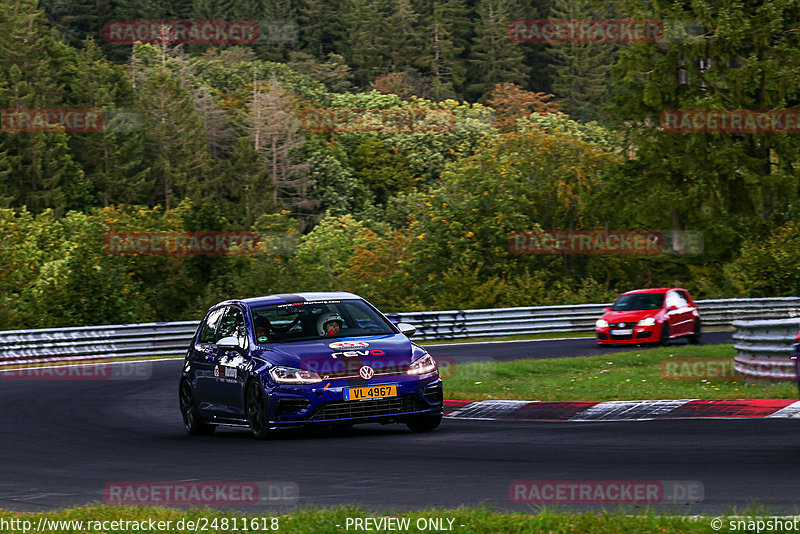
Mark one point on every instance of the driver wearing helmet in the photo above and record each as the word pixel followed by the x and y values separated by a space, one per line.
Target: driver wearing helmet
pixel 262 327
pixel 329 324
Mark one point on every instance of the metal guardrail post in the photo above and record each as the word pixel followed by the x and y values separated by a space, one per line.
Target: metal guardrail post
pixel 765 349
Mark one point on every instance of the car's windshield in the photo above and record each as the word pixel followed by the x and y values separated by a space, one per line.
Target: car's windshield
pixel 638 301
pixel 330 319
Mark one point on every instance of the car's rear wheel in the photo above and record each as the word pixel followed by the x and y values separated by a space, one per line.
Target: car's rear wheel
pixel 257 417
pixel 191 418
pixel 424 423
pixel 664 341
pixel 696 336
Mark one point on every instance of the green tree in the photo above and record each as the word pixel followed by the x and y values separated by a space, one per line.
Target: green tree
pixel 382 170
pixel 447 29
pixel 582 74
pixel 494 57
pixel 317 33
pixel 112 159
pixel 325 253
pixel 768 267
pixel 731 56
pixel 361 40
pixel 176 145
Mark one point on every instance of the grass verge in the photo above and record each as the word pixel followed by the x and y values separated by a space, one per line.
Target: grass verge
pixel 530 337
pixel 465 520
pixel 680 372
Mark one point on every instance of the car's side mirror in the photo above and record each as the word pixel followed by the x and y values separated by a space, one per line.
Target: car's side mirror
pixel 230 342
pixel 407 329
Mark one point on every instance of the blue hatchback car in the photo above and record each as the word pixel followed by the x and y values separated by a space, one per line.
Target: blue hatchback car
pixel 299 359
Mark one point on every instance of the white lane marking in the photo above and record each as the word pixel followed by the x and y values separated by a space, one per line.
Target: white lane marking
pixel 488 410
pixel 629 410
pixel 790 411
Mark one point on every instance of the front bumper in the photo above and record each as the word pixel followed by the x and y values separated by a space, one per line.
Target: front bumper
pixel 293 405
pixel 638 335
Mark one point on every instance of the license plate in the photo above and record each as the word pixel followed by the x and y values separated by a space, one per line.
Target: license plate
pixel 372 392
pixel 624 332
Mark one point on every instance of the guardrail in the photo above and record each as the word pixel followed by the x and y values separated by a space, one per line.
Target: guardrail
pixel 764 349
pixel 172 339
pixel 456 324
pixel 96 342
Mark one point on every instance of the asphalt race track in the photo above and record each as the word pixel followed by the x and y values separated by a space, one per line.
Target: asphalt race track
pixel 63 441
pixel 546 348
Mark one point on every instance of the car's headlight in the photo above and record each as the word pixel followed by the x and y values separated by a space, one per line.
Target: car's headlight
pixel 292 375
pixel 423 365
pixel 649 321
pixel 601 323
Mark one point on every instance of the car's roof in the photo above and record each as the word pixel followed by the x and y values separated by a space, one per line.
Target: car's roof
pixel 654 290
pixel 284 298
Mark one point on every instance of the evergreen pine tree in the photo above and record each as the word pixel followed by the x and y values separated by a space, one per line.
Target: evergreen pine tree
pixel 446 28
pixel 494 57
pixel 582 74
pixel 176 147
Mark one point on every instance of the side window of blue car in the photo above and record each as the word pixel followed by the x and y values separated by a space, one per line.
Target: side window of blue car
pixel 209 331
pixel 232 324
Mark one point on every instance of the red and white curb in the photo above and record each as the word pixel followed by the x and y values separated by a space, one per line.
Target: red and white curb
pixel 644 410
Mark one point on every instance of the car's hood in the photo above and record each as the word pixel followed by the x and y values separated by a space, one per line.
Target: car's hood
pixel 341 357
pixel 631 316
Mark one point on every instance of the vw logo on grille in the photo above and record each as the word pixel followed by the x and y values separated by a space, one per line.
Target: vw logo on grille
pixel 366 372
pixel 622 325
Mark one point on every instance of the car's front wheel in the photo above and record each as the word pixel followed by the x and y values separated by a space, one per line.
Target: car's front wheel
pixel 664 341
pixel 257 417
pixel 424 423
pixel 191 419
pixel 695 338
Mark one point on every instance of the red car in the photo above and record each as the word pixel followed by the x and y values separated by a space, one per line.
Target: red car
pixel 650 316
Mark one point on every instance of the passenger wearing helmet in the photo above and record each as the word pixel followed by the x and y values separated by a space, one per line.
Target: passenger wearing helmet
pixel 329 324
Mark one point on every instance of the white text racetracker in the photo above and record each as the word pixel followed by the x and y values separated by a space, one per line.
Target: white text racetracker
pixel 402 524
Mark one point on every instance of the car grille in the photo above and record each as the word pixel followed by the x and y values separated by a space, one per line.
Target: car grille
pixel 368 408
pixel 628 336
pixel 347 374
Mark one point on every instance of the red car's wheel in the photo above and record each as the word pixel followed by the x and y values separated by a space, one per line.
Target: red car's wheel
pixel 664 341
pixel 694 339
